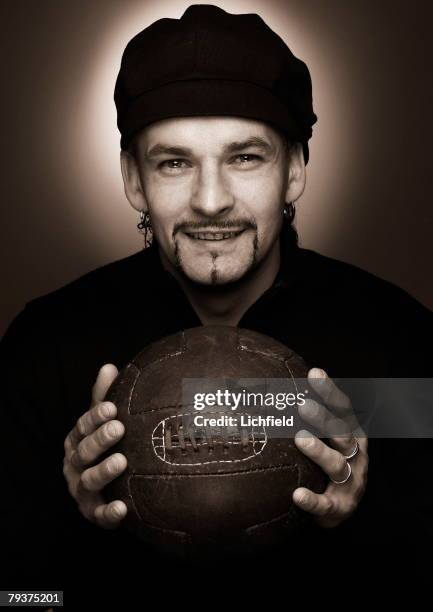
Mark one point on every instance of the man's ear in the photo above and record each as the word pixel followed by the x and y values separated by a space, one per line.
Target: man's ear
pixel 297 173
pixel 132 181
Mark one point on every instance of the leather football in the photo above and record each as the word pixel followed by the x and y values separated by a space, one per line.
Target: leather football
pixel 191 488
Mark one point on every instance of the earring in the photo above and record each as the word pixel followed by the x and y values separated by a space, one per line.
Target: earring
pixel 289 212
pixel 145 228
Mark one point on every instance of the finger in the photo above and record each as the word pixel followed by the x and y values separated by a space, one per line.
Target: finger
pixel 71 443
pixel 94 445
pixel 337 431
pixel 68 446
pixel 348 446
pixel 96 416
pixel 330 460
pixel 105 377
pixel 97 477
pixel 325 422
pixel 83 426
pixel 329 392
pixel 314 503
pixel 111 515
pixel 363 442
pixel 72 478
pixel 74 438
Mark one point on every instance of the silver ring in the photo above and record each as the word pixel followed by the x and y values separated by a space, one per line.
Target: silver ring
pixel 354 452
pixel 340 482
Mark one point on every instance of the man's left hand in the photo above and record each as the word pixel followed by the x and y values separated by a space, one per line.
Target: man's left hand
pixel 343 457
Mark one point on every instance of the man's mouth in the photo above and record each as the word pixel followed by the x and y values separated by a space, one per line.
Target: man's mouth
pixel 214 235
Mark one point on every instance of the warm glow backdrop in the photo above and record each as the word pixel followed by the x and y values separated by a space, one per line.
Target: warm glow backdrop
pixel 368 196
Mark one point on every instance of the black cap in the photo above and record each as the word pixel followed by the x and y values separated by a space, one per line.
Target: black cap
pixel 210 62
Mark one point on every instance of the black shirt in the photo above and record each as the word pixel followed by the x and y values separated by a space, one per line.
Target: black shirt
pixel 336 316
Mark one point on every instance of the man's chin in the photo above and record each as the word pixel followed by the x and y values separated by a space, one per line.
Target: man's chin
pixel 214 277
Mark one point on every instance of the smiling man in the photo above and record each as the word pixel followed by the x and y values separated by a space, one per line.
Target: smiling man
pixel 231 176
pixel 217 207
pixel 215 115
pixel 217 211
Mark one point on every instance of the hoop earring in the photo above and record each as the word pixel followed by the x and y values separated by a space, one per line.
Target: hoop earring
pixel 289 212
pixel 145 228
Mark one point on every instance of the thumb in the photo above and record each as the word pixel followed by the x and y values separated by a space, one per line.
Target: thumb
pixel 106 375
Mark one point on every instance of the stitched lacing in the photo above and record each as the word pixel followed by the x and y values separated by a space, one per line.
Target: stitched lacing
pixel 188 438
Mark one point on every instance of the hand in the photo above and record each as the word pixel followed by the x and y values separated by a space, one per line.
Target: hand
pixel 336 422
pixel 94 433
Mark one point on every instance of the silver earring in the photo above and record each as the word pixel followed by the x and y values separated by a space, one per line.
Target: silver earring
pixel 145 228
pixel 289 212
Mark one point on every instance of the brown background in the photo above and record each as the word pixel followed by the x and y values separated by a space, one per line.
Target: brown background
pixel 368 196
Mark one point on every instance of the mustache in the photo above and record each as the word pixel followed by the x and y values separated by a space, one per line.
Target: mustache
pixel 214 225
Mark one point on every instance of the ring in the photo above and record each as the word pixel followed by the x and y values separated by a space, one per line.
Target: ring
pixel 340 482
pixel 354 452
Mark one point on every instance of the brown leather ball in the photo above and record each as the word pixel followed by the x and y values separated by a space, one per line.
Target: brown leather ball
pixel 185 488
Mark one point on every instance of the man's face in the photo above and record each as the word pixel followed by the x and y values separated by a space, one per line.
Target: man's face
pixel 215 189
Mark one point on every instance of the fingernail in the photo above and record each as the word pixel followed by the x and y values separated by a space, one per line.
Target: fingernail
pixel 107 410
pixel 112 430
pixel 311 408
pixel 304 438
pixel 114 464
pixel 300 499
pixel 319 373
pixel 117 511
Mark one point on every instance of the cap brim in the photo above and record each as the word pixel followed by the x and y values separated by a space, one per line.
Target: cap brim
pixel 206 97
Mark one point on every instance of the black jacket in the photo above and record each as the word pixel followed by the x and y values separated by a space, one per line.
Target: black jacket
pixel 335 315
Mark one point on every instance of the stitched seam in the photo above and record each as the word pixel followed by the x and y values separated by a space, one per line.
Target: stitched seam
pixel 242 347
pixel 272 520
pixel 273 468
pixel 161 359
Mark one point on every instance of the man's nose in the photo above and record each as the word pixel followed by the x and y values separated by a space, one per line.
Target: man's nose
pixel 211 195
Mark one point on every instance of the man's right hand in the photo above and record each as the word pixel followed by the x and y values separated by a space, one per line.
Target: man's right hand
pixel 94 433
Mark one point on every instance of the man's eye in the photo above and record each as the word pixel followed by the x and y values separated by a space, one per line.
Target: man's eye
pixel 173 164
pixel 246 158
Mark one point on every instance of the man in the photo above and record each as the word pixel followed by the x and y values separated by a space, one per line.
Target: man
pixel 214 146
pixel 217 213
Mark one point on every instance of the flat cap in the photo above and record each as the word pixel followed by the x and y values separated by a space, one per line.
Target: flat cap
pixel 210 62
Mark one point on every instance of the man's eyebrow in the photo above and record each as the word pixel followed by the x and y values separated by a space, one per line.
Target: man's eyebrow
pixel 254 141
pixel 166 149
